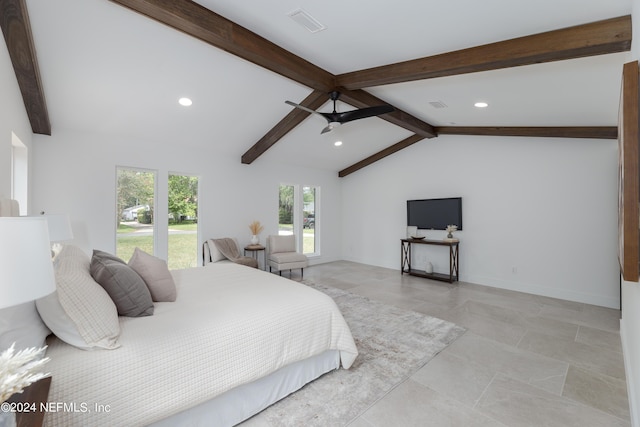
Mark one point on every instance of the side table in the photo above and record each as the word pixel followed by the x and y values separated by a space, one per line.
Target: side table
pixel 405 259
pixel 255 249
pixel 34 396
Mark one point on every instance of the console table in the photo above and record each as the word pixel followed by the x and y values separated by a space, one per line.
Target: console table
pixel 405 259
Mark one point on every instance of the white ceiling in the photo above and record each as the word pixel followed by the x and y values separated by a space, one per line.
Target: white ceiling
pixel 108 69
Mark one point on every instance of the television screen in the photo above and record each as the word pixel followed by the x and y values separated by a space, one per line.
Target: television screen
pixel 435 214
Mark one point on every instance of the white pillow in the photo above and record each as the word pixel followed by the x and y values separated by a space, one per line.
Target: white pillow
pixel 155 273
pixel 83 314
pixel 49 308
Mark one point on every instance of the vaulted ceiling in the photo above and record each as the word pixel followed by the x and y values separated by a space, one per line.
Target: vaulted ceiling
pixel 549 69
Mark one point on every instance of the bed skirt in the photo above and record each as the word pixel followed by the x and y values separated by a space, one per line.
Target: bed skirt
pixel 242 402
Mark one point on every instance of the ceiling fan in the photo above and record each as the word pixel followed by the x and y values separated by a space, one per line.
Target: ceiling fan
pixel 335 119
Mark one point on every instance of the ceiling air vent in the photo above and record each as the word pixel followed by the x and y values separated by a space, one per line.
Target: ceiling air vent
pixel 306 20
pixel 438 104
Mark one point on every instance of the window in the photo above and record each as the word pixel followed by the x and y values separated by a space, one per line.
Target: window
pixel 298 209
pixel 183 221
pixel 135 208
pixel 308 220
pixel 285 220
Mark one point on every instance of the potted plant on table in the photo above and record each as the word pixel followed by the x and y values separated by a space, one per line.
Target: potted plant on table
pixel 255 228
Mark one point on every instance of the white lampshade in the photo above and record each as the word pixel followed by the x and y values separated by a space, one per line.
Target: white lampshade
pixel 26 271
pixel 59 227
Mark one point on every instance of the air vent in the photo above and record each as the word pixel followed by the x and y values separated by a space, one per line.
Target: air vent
pixel 306 20
pixel 438 104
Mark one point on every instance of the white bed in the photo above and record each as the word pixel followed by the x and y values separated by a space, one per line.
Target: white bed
pixel 236 340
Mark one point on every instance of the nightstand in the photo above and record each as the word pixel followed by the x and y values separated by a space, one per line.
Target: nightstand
pixel 36 394
pixel 255 249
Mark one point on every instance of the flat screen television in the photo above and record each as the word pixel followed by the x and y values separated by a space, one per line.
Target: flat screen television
pixel 435 214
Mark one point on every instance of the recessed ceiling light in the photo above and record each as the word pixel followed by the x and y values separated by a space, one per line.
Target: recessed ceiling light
pixel 337 143
pixel 185 102
pixel 481 105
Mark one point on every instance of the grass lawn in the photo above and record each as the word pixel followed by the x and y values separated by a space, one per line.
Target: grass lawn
pixel 308 240
pixel 183 248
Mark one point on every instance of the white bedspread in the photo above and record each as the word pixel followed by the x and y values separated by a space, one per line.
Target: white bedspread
pixel 230 325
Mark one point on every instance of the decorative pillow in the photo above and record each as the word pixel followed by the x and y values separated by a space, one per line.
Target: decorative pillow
pixel 155 273
pixel 125 287
pixel 22 325
pixel 81 313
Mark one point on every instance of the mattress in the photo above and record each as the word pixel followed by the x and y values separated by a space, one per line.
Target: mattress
pixel 231 325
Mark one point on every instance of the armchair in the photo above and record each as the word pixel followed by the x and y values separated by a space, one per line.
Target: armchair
pixel 282 255
pixel 210 252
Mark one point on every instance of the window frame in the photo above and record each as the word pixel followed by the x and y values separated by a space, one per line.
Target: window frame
pixel 298 215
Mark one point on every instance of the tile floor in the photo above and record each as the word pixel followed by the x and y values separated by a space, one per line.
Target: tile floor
pixel 525 360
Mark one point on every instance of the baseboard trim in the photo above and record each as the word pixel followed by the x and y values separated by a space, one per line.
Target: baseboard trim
pixel 634 406
pixel 568 295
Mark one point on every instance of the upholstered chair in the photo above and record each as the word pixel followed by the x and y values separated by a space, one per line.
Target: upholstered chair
pixel 211 254
pixel 282 255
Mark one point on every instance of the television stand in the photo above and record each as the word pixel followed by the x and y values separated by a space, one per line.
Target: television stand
pixel 405 259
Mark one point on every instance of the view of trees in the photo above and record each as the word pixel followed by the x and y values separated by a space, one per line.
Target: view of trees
pixel 183 197
pixel 135 188
pixel 286 204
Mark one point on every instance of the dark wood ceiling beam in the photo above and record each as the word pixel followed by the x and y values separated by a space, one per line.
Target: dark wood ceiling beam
pixel 201 23
pixel 596 132
pixel 597 38
pixel 314 101
pixel 362 99
pixel 380 155
pixel 16 28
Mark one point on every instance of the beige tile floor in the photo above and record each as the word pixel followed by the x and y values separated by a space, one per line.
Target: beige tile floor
pixel 525 360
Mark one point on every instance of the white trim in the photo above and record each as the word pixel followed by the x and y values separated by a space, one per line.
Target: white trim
pixel 634 406
pixel 552 292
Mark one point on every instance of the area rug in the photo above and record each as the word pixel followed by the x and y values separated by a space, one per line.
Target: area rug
pixel 393 343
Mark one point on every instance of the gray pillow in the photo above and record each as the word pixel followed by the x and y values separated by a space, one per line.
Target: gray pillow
pixel 125 287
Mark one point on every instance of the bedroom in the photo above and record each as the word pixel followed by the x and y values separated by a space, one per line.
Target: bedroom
pixel 362 215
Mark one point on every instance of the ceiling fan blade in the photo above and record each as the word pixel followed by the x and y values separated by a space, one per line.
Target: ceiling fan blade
pixel 302 107
pixel 363 113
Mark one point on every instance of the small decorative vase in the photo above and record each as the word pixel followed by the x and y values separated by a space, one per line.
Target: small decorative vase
pixel 450 236
pixel 428 268
pixel 255 240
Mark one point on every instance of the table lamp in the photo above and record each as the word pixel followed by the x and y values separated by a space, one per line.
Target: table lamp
pixel 26 270
pixel 59 231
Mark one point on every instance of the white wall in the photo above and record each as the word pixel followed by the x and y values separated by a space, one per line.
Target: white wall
pixel 630 323
pixel 75 174
pixel 13 118
pixel 539 215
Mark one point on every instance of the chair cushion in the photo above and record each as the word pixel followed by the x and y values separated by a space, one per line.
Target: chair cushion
pixel 282 244
pixel 287 257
